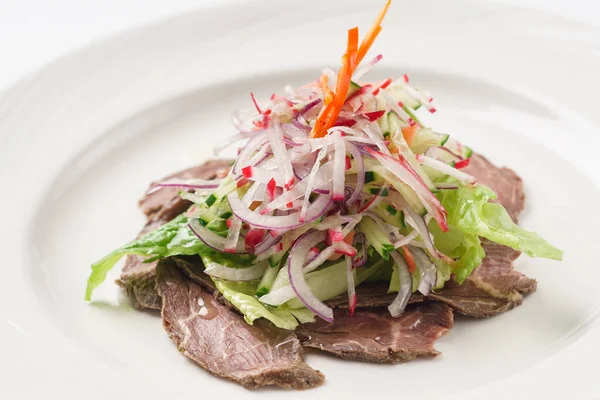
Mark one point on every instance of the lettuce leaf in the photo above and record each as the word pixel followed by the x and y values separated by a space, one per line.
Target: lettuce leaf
pixel 171 239
pixel 470 212
pixel 241 295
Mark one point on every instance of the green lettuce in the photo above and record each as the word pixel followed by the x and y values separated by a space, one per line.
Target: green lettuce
pixel 469 211
pixel 241 295
pixel 171 239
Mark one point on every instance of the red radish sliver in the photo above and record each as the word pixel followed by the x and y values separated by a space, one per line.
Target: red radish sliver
pixel 339 166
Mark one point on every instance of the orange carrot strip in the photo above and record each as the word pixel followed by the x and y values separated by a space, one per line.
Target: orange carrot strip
pixel 350 60
pixel 409 260
pixel 352 49
pixel 327 92
pixel 408 132
pixel 370 38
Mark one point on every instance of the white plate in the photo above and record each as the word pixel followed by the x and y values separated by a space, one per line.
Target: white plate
pixel 81 139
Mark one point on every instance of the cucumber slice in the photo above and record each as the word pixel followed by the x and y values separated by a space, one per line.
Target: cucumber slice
pixel 456 147
pixel 267 281
pixel 405 150
pixel 407 193
pixel 424 138
pixel 354 87
pixel 399 93
pixel 376 238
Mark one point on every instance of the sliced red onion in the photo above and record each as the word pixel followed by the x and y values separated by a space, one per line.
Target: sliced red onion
pixel 236 274
pixel 233 235
pixel 427 270
pixel 359 164
pixel 318 208
pixel 211 239
pixel 445 169
pixel 267 243
pixel 296 122
pixel 399 304
pixel 339 166
pixel 296 276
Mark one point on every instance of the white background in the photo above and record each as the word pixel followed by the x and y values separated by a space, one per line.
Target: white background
pixel 34 32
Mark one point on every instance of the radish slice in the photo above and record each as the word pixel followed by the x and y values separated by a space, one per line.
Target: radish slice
pixel 321 181
pixel 339 166
pixel 211 239
pixel 236 274
pixel 310 183
pixel 296 276
pixel 233 234
pixel 359 164
pixel 280 153
pixel 445 169
pixel 363 70
pixel 320 259
pixel 399 304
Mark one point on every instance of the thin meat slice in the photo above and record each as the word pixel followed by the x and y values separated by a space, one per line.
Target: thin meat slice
pixel 504 181
pixel 373 335
pixel 369 295
pixel 493 288
pixel 139 281
pixel 139 278
pixel 220 341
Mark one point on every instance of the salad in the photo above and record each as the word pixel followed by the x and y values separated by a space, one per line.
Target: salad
pixel 336 183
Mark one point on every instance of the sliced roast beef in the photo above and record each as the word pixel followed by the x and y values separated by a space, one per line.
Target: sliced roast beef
pixel 220 341
pixel 369 295
pixel 139 281
pixel 373 335
pixel 504 181
pixel 139 278
pixel 493 288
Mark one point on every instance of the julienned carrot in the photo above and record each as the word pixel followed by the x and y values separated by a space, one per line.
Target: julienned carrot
pixel 408 132
pixel 327 92
pixel 370 38
pixel 352 48
pixel 350 61
pixel 409 259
